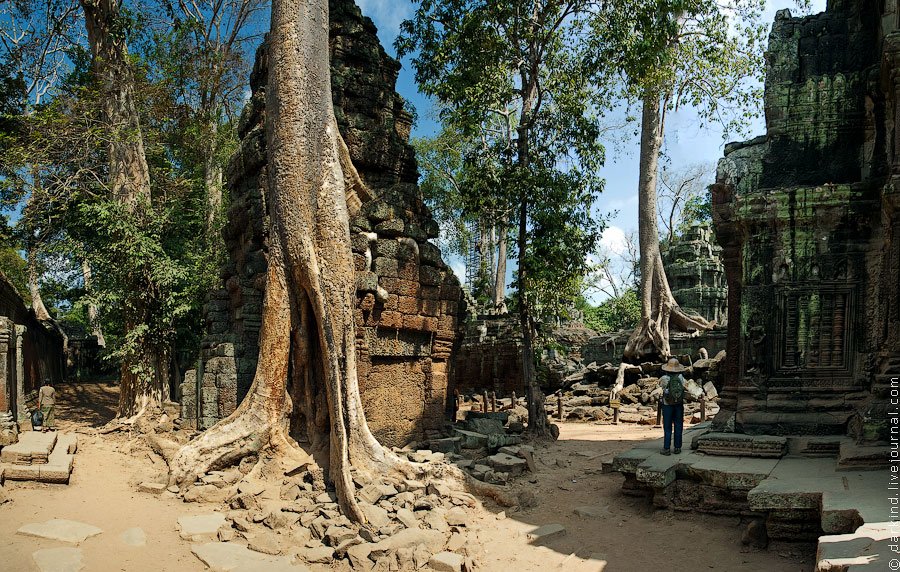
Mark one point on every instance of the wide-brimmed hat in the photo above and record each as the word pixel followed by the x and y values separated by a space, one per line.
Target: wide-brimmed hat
pixel 673 366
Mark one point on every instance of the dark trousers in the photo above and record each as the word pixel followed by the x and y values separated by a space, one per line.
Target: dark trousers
pixel 673 417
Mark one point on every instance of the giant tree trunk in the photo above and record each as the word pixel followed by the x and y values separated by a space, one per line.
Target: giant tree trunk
pixel 37 303
pixel 659 310
pixel 310 294
pixel 499 294
pixel 534 397
pixel 144 371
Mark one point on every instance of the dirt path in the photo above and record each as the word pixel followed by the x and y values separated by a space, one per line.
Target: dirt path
pixel 629 536
pixel 103 492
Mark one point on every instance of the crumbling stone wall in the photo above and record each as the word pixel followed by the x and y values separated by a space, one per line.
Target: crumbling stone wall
pixel 807 218
pixel 410 301
pixel 31 352
pixel 490 356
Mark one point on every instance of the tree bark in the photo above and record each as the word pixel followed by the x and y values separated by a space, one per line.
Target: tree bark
pixel 659 310
pixel 37 303
pixel 500 275
pixel 93 314
pixel 310 294
pixel 144 371
pixel 534 397
pixel 129 176
pixel 212 177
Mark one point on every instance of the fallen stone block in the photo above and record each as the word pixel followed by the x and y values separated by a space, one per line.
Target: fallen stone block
pixel 61 529
pixel 200 527
pixel 507 464
pixel 446 562
pixel 228 556
pixel 152 488
pixel 546 532
pixel 485 426
pixel 58 559
pixel 592 511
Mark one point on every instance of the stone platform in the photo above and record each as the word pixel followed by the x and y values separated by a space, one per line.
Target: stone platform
pixel 43 457
pixel 821 489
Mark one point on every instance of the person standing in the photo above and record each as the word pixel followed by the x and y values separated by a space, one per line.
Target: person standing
pixel 672 405
pixel 47 404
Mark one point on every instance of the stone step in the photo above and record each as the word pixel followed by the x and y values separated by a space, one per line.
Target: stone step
pixel 862 457
pixel 816 446
pixel 739 445
pixel 33 447
pixel 59 462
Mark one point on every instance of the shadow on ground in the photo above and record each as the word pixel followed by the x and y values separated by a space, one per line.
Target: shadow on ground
pixel 612 531
pixel 87 403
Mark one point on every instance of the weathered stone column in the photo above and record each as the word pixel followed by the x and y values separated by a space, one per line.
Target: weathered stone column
pixel 728 236
pixel 20 367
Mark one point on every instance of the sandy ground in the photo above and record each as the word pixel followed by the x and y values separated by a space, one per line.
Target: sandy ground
pixel 631 536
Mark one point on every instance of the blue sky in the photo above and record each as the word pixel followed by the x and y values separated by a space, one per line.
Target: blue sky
pixel 686 142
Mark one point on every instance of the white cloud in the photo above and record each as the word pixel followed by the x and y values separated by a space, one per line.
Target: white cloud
pixel 613 240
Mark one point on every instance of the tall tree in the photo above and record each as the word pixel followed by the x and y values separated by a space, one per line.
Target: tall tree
pixel 673 53
pixel 519 65
pixel 204 53
pixel 34 40
pixel 459 181
pixel 144 371
pixel 307 336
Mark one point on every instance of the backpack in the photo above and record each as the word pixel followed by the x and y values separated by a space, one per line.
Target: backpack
pixel 37 418
pixel 676 389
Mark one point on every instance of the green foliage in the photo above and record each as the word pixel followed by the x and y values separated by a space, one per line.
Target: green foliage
pixel 703 53
pixel 151 269
pixel 517 96
pixel 12 266
pixel 618 313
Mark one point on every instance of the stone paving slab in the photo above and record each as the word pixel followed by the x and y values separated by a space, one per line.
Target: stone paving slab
pixel 58 559
pixel 733 473
pixel 232 557
pixel 60 529
pixel 33 447
pixel 200 526
pixel 68 442
pixel 860 501
pixel 628 461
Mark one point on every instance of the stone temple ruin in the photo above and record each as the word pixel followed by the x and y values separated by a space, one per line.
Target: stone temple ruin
pixel 410 301
pixel 807 219
pixel 31 351
pixel 490 356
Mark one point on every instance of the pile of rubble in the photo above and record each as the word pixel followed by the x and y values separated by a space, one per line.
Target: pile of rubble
pixel 487 445
pixel 287 517
pixel 586 396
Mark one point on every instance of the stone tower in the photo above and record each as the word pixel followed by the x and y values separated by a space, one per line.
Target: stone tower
pixel 696 276
pixel 409 301
pixel 807 216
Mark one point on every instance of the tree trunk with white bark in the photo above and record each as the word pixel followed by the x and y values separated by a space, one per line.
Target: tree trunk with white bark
pixel 659 310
